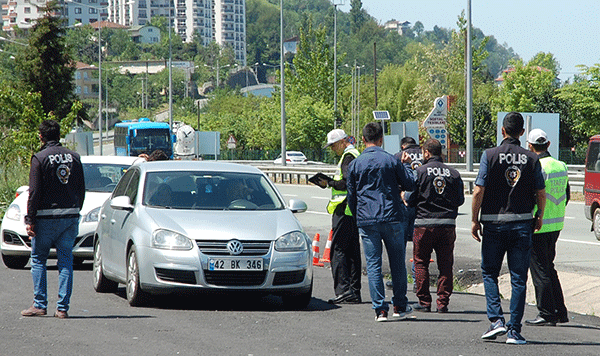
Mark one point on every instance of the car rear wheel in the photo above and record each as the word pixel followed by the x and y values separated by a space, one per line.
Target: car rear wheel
pixel 101 283
pixel 297 301
pixel 596 223
pixel 135 295
pixel 15 262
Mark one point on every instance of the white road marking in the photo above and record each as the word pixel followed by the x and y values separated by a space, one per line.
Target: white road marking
pixel 580 242
pixel 317 212
pixel 323 198
pixel 290 195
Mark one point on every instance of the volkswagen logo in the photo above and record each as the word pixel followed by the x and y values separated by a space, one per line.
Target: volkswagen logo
pixel 235 247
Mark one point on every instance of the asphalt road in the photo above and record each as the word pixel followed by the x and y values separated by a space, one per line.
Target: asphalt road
pixel 220 324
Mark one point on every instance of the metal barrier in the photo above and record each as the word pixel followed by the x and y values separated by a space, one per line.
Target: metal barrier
pixel 299 175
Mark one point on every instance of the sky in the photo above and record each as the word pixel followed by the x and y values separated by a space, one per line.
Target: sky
pixel 570 30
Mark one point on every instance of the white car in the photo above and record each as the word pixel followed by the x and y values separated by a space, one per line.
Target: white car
pixel 189 225
pixel 292 157
pixel 101 176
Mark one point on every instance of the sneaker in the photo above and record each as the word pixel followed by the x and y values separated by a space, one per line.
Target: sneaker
pixel 422 308
pixel 382 315
pixel 513 337
pixel 61 314
pixel 33 311
pixel 497 328
pixel 402 313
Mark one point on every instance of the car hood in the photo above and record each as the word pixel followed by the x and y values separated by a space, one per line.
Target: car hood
pixel 93 200
pixel 228 224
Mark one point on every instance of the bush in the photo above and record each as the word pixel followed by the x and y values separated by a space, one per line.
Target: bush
pixel 13 174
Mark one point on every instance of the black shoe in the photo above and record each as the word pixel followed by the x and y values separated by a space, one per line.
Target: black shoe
pixel 356 299
pixel 442 310
pixel 341 298
pixel 563 319
pixel 422 308
pixel 539 321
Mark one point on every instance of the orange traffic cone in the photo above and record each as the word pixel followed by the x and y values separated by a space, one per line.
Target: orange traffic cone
pixel 327 253
pixel 315 245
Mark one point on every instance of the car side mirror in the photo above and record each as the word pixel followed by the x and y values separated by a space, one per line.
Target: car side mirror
pixel 121 203
pixel 297 206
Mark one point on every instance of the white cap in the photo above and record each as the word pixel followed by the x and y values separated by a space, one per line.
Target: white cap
pixel 334 136
pixel 537 137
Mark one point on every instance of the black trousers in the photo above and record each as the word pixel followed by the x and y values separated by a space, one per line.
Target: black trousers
pixel 346 262
pixel 548 292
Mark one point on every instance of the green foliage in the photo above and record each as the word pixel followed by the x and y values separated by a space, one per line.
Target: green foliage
pixel 583 96
pixel 484 124
pixel 46 67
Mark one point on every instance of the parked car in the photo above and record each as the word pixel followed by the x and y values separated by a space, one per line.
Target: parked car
pixel 292 157
pixel 591 188
pixel 181 225
pixel 101 176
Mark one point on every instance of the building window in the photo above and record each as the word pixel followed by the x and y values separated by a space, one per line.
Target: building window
pixel 78 10
pixel 86 90
pixel 78 90
pixel 93 11
pixel 77 75
pixel 27 10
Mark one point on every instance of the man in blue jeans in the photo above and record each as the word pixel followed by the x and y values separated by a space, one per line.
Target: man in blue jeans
pixel 508 186
pixel 56 193
pixel 375 179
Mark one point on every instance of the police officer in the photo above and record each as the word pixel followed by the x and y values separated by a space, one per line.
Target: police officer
pixel 345 244
pixel 439 193
pixel 548 292
pixel 410 146
pixel 56 193
pixel 508 186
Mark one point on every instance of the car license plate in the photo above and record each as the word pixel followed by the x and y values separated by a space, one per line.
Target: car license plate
pixel 231 264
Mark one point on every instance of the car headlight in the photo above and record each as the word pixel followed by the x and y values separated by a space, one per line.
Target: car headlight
pixel 170 240
pixel 92 216
pixel 13 212
pixel 293 241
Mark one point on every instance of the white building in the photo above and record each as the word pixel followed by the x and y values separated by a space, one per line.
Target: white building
pixel 222 21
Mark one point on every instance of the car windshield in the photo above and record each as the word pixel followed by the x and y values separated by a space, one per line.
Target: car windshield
pixel 209 191
pixel 293 154
pixel 102 177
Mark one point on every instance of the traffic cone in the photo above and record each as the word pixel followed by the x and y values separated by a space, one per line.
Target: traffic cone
pixel 327 253
pixel 315 245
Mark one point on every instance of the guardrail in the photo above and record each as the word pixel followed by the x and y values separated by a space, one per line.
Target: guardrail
pixel 300 174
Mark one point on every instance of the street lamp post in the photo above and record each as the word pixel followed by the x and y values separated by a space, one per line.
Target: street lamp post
pixel 335 5
pixel 281 69
pixel 170 73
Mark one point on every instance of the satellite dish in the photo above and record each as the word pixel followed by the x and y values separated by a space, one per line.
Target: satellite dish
pixel 186 141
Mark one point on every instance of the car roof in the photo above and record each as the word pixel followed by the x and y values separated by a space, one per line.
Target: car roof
pixel 212 166
pixel 125 160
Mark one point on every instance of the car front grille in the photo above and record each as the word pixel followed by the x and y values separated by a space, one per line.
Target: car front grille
pixel 12 238
pixel 292 277
pixel 235 278
pixel 219 248
pixel 176 275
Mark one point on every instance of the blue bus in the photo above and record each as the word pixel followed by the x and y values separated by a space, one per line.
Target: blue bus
pixel 133 138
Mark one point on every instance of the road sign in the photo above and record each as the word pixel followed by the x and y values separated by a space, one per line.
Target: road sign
pixel 381 115
pixel 231 142
pixel 437 116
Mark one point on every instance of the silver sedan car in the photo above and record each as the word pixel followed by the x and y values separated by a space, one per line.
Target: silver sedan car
pixel 175 225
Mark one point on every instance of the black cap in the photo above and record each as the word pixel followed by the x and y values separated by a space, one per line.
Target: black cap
pixel 513 123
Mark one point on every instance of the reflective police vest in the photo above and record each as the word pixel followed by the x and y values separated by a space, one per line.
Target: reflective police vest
pixel 556 177
pixel 339 196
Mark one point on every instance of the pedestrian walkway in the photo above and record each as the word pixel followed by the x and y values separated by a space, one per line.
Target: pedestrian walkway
pixel 580 291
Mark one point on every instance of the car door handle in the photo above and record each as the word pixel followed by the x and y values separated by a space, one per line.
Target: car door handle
pixel 113 221
pixel 103 216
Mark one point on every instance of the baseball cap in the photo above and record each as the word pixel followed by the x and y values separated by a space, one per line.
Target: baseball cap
pixel 537 137
pixel 334 136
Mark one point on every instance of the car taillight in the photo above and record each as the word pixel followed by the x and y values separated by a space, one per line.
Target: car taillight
pixel 288 160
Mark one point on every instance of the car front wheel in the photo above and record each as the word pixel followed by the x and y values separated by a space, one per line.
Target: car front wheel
pixel 101 283
pixel 297 301
pixel 596 223
pixel 15 262
pixel 135 295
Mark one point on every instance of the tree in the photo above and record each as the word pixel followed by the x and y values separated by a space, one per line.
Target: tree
pixel 357 15
pixel 583 95
pixel 47 67
pixel 418 28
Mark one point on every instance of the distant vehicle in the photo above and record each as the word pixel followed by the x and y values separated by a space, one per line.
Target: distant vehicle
pixel 292 157
pixel 133 138
pixel 101 175
pixel 591 188
pixel 189 225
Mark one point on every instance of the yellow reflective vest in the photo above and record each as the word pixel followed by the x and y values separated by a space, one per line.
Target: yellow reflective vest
pixel 339 196
pixel 556 177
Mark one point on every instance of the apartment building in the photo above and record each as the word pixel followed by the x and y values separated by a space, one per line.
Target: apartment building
pixel 222 21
